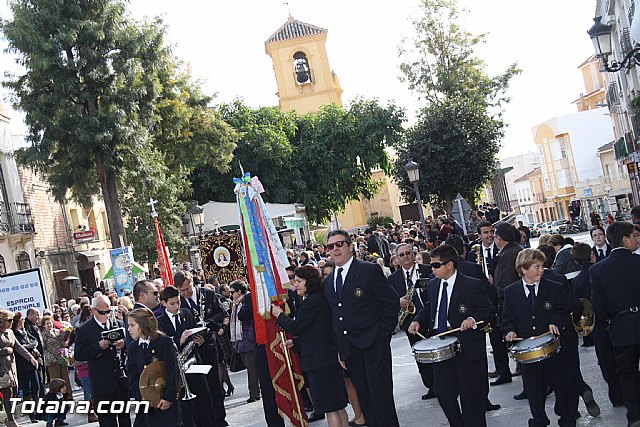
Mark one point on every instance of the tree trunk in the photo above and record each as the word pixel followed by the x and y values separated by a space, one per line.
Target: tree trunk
pixel 448 203
pixel 111 197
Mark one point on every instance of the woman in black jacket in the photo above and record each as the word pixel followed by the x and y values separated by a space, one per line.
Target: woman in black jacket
pixel 315 341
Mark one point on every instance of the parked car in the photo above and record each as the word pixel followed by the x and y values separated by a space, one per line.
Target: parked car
pixel 536 229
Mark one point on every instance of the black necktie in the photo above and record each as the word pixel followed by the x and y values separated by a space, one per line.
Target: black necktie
pixel 488 255
pixel 443 309
pixel 532 295
pixel 144 346
pixel 339 283
pixel 409 281
pixel 601 257
pixel 194 306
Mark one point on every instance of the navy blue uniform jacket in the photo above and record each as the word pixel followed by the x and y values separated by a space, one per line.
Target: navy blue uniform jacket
pixel 368 307
pixel 468 299
pixel 615 286
pixel 551 308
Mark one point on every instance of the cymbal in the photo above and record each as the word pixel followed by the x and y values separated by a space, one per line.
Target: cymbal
pixel 153 381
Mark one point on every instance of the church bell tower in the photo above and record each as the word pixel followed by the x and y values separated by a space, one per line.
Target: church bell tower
pixel 301 65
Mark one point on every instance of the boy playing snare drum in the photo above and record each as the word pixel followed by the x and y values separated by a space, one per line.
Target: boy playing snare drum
pixel 534 306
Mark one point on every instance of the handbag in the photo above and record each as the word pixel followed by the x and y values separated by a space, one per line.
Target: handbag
pixel 5 380
pixel 236 364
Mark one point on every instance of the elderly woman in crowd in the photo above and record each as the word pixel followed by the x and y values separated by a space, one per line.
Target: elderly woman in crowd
pixel 28 380
pixel 8 371
pixel 55 344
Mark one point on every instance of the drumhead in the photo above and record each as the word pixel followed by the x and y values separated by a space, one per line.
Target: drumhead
pixel 529 343
pixel 434 343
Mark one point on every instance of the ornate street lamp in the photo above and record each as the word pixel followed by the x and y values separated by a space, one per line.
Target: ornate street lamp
pixel 197 218
pixel 601 38
pixel 414 176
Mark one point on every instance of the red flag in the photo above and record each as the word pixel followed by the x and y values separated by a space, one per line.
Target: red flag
pixel 163 256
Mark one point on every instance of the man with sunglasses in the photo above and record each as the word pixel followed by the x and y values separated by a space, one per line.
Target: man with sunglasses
pixel 402 280
pixel 107 385
pixel 364 311
pixel 145 295
pixel 457 301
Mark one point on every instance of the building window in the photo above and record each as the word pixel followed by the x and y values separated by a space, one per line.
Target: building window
pixel 301 68
pixel 563 152
pixel 3 266
pixel 547 186
pixel 23 261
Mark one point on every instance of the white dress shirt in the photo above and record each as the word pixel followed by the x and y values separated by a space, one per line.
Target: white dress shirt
pixel 345 270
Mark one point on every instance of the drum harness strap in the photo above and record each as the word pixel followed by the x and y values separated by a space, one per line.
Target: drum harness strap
pixel 634 309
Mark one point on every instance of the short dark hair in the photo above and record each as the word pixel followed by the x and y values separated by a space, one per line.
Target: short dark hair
pixel 581 253
pixel 290 268
pixel 238 286
pixel 312 276
pixel 180 277
pixel 368 231
pixel 617 231
pixel 139 288
pixel 594 228
pixel 168 293
pixel 456 242
pixel 56 384
pixel 549 255
pixel 635 211
pixel 446 253
pixel 507 232
pixel 342 233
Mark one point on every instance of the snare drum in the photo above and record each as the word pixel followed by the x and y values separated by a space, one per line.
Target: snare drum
pixel 432 350
pixel 533 349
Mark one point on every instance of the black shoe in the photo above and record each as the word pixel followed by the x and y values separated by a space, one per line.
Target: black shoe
pixel 502 379
pixel 60 423
pixel 493 374
pixel 587 345
pixel 520 396
pixel 315 417
pixel 229 391
pixel 578 414
pixel 253 399
pixel 618 404
pixel 592 407
pixel 491 407
pixel 430 395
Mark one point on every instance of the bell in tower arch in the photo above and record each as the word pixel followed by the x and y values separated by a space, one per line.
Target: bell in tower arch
pixel 301 68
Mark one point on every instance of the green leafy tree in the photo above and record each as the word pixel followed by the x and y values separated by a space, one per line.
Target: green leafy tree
pixel 457 137
pixel 108 109
pixel 322 160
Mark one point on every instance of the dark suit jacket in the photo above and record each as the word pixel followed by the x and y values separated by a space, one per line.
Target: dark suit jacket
pixel 551 308
pixel 607 251
pixel 615 286
pixel 104 368
pixel 186 322
pixel 214 313
pixel 581 284
pixel 469 299
pixel 34 332
pixel 574 301
pixel 159 349
pixel 565 262
pixel 505 272
pixel 397 280
pixel 315 340
pixel 472 257
pixel 368 307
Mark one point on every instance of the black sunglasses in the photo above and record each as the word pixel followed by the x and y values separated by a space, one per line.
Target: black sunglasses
pixel 404 254
pixel 103 312
pixel 339 244
pixel 438 264
pixel 155 293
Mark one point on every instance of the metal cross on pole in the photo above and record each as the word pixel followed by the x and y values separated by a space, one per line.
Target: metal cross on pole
pixel 152 203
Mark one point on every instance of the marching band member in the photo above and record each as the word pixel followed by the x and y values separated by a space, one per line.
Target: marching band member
pixel 176 322
pixel 402 280
pixel 107 381
pixel 533 306
pixel 472 269
pixel 317 346
pixel 615 297
pixel 149 345
pixel 457 301
pixel 204 305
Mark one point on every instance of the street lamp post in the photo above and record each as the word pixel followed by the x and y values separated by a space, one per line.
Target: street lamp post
pixel 414 176
pixel 197 220
pixel 601 38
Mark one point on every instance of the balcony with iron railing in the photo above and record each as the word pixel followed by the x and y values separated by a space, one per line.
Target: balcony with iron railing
pixel 16 218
